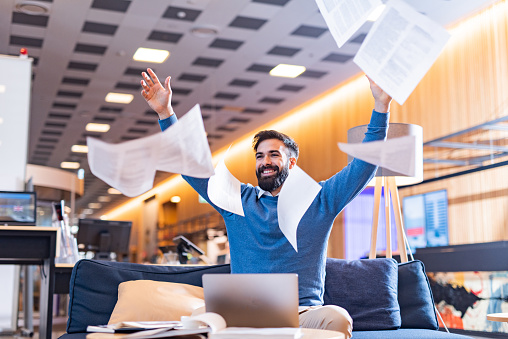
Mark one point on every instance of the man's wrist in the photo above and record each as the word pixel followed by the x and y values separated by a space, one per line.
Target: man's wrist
pixel 166 113
pixel 381 107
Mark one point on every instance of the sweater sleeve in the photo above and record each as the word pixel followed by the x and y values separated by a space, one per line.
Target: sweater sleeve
pixel 345 185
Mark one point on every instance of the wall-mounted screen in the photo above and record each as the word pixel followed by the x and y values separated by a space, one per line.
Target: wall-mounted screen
pixel 17 208
pixel 426 219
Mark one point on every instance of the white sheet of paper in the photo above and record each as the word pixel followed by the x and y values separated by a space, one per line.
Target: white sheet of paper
pixel 224 190
pixel 345 17
pixel 400 48
pixel 130 166
pixel 184 147
pixel 397 154
pixel 296 195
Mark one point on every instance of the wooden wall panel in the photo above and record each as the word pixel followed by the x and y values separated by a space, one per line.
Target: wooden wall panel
pixel 467 85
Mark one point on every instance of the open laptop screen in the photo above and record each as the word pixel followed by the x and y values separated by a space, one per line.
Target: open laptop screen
pixel 17 208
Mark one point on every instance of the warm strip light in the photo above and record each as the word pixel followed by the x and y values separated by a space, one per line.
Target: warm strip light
pixel 79 148
pixel 287 71
pixel 93 127
pixel 119 98
pixel 113 191
pixel 151 55
pixel 69 165
pixel 376 13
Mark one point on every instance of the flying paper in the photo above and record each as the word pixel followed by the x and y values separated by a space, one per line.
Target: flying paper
pixel 345 17
pixel 296 195
pixel 130 166
pixel 397 154
pixel 224 189
pixel 400 48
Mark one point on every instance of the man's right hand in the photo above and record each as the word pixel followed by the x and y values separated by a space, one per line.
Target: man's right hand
pixel 157 96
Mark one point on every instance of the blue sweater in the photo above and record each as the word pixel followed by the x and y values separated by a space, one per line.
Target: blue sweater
pixel 256 242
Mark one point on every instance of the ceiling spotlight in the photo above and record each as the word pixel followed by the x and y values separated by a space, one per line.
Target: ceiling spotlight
pixel 204 31
pixel 151 55
pixel 32 7
pixel 94 205
pixel 287 71
pixel 79 148
pixel 113 191
pixel 119 98
pixel 69 165
pixel 175 199
pixel 93 127
pixel 103 198
pixel 2 88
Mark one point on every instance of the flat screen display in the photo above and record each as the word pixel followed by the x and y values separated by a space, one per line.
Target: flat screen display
pixel 17 208
pixel 426 219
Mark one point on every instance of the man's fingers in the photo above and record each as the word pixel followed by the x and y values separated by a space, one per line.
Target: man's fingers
pixel 153 76
pixel 144 85
pixel 147 79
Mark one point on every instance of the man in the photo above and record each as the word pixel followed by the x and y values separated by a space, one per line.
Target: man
pixel 257 244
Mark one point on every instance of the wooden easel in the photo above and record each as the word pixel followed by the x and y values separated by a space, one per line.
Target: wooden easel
pixel 390 188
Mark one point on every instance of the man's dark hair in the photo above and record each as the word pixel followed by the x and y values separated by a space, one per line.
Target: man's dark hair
pixel 290 144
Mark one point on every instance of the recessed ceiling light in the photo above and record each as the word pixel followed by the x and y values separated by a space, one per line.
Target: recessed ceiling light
pixel 287 71
pixel 94 205
pixel 93 127
pixel 175 199
pixel 376 13
pixel 104 198
pixel 79 148
pixel 151 55
pixel 1 120
pixel 3 88
pixel 119 98
pixel 88 211
pixel 204 31
pixel 32 7
pixel 113 191
pixel 69 165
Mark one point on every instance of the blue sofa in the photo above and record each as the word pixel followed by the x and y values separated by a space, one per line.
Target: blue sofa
pixel 94 292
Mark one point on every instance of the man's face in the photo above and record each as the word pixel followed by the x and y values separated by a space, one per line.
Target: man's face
pixel 272 164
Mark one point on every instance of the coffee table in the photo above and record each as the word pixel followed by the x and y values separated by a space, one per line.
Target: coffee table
pixel 498 317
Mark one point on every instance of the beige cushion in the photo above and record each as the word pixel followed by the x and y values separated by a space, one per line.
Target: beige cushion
pixel 147 300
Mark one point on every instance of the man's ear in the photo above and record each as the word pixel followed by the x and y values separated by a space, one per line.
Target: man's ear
pixel 292 162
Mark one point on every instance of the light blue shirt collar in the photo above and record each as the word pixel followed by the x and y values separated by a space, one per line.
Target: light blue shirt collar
pixel 263 192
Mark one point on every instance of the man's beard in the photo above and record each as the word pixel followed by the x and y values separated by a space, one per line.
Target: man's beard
pixel 273 182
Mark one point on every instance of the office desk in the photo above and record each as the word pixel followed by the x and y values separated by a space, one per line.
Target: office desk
pixel 34 245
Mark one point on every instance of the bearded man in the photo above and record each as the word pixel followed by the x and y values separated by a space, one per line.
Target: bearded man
pixel 257 245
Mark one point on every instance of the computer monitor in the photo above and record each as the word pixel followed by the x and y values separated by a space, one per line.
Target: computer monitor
pixel 426 219
pixel 104 237
pixel 17 208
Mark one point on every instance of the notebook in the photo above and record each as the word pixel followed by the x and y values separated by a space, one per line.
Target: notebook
pixel 253 300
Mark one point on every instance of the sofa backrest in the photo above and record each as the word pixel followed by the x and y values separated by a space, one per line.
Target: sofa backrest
pixel 93 290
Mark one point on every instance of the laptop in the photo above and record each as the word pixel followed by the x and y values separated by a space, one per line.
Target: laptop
pixel 253 300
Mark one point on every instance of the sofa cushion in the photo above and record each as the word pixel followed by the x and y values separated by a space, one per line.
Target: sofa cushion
pixel 94 286
pixel 415 297
pixel 405 333
pixel 148 300
pixel 367 289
